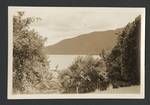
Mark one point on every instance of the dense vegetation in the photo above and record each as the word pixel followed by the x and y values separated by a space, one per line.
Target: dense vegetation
pixel 123 63
pixel 84 75
pixel 30 66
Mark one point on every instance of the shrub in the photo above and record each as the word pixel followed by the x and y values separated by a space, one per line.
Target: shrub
pixel 84 75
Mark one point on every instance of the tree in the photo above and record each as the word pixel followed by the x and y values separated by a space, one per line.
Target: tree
pixel 29 62
pixel 124 59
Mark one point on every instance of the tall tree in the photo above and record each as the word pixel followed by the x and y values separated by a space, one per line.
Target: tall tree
pixel 124 59
pixel 29 61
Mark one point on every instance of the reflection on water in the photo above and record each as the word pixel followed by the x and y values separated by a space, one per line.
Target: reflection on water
pixel 60 62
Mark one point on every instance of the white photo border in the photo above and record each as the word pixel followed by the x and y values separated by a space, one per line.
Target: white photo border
pixel 11 96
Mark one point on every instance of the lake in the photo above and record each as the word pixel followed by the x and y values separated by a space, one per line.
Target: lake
pixel 63 61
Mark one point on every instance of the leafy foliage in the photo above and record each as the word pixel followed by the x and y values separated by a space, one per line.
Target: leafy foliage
pixel 84 75
pixel 29 62
pixel 123 61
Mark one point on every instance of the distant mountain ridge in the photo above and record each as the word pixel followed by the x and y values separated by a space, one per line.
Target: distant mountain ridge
pixel 90 43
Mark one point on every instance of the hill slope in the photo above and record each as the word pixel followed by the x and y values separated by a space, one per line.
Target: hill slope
pixel 91 43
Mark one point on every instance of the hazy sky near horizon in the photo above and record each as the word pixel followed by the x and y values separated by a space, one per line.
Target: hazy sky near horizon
pixel 59 23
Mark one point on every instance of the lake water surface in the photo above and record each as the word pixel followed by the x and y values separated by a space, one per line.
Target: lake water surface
pixel 63 61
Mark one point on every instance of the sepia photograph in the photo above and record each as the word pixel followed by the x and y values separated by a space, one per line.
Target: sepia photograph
pixel 76 52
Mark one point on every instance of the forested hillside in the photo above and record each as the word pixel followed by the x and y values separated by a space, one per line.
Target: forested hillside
pixel 90 43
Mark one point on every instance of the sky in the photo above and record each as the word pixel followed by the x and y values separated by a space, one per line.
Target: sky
pixel 58 23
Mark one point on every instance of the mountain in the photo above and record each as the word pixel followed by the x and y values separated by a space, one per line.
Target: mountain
pixel 90 43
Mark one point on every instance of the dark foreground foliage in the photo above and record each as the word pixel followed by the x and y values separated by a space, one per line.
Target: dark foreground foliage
pixel 123 63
